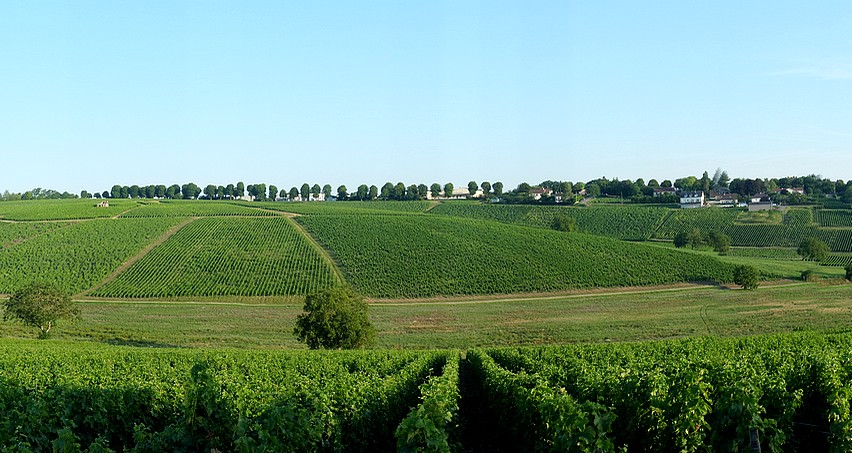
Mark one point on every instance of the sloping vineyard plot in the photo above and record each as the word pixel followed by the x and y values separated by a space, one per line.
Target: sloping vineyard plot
pixel 227 256
pixel 193 208
pixel 78 256
pixel 834 217
pixel 31 210
pixel 417 256
pixel 622 222
pixel 15 233
pixel 347 207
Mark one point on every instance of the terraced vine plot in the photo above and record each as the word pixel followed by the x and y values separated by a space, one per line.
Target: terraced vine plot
pixel 347 207
pixel 622 222
pixel 14 233
pixel 418 256
pixel 775 253
pixel 193 208
pixel 836 259
pixel 32 210
pixel 227 257
pixel 834 217
pixel 705 219
pixel 78 256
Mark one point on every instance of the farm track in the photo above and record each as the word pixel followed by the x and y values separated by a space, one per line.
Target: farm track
pixel 138 256
pixel 335 266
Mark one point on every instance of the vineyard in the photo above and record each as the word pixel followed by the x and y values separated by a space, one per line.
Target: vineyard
pixel 422 256
pixel 61 209
pixel 192 208
pixel 773 253
pixel 77 256
pixel 622 222
pixel 348 207
pixel 779 393
pixel 15 233
pixel 227 256
pixel 834 218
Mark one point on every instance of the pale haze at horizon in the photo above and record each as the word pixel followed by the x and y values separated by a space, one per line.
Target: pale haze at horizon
pixel 160 92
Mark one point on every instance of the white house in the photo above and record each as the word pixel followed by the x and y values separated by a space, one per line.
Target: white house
pixel 691 199
pixel 538 192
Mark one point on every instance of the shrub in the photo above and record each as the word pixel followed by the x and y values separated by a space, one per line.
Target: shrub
pixel 335 318
pixel 564 223
pixel 746 276
pixel 808 275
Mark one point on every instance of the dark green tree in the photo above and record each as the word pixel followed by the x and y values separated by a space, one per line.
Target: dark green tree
pixel 564 223
pixel 363 192
pixel 335 318
pixel 849 272
pixel 721 242
pixel 486 188
pixel 240 190
pixel 40 305
pixel 497 188
pixel 316 190
pixel 412 193
pixel 342 193
pixel 746 276
pixel 435 188
pixel 326 191
pixel 273 192
pixel 373 193
pixel 813 249
pixel 399 191
pixel 422 191
pixel 294 193
pixel 448 189
pixel 681 239
pixel 695 238
pixel 387 191
pixel 472 187
pixel 305 192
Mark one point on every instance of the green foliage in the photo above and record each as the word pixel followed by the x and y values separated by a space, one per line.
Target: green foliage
pixel 746 276
pixel 721 242
pixel 431 426
pixel 423 255
pixel 681 239
pixel 39 305
pixel 695 238
pixel 849 272
pixel 808 275
pixel 813 249
pixel 564 223
pixel 335 318
pixel 227 256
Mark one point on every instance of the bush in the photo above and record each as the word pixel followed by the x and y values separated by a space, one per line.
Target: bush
pixel 40 305
pixel 746 276
pixel 808 275
pixel 813 249
pixel 681 239
pixel 335 318
pixel 564 223
pixel 721 242
pixel 849 272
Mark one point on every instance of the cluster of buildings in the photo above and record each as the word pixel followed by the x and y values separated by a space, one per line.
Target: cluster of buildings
pixel 698 199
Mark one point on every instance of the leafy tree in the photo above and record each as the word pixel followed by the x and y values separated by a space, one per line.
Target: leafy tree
pixel 230 191
pixel 497 188
pixel 486 188
pixel 362 192
pixel 85 194
pixel 341 192
pixel 283 193
pixel 399 191
pixel 373 193
pixel 746 276
pixel 694 238
pixel 435 188
pixel 294 193
pixel 472 187
pixel 316 190
pixel 335 318
pixel 849 272
pixel 190 191
pixel 273 192
pixel 387 191
pixel 593 190
pixel 326 190
pixel 564 223
pixel 115 192
pixel 105 194
pixel 220 192
pixel 412 193
pixel 523 188
pixel 813 249
pixel 721 242
pixel 97 195
pixel 40 305
pixel 448 189
pixel 305 192
pixel 240 190
pixel 210 191
pixel 681 239
pixel 422 191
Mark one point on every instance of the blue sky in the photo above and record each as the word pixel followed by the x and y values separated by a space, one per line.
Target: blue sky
pixel 94 93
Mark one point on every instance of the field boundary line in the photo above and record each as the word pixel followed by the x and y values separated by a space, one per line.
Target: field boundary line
pixel 133 259
pixel 338 273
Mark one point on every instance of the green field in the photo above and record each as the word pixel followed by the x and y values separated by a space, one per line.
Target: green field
pixel 77 256
pixel 417 256
pixel 193 208
pixel 62 209
pixel 348 207
pixel 227 257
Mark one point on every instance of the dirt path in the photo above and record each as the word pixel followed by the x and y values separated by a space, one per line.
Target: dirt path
pixel 138 256
pixel 320 249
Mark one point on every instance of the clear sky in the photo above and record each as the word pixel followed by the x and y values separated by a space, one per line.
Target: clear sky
pixel 94 93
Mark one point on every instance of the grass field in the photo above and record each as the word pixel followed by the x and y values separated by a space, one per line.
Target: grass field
pixel 619 316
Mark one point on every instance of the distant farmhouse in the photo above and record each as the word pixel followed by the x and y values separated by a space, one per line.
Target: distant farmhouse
pixel 103 204
pixel 693 199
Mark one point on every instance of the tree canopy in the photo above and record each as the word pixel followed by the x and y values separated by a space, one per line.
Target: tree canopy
pixel 335 318
pixel 813 249
pixel 40 305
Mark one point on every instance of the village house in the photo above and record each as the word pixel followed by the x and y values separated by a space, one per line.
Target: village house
pixel 661 191
pixel 536 193
pixel 690 200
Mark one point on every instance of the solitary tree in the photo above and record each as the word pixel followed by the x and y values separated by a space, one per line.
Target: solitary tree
pixel 813 249
pixel 335 318
pixel 746 276
pixel 721 242
pixel 40 305
pixel 564 223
